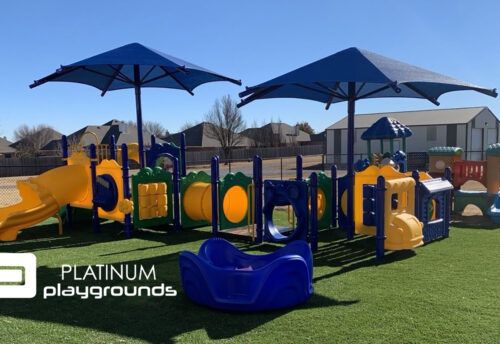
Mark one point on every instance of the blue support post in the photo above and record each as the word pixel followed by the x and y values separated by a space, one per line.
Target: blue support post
pixel 93 177
pixel 112 148
pixel 176 191
pixel 153 140
pixel 298 167
pixel 183 154
pixel 257 181
pixel 138 108
pixel 313 232
pixel 214 174
pixel 447 205
pixel 416 176
pixel 65 156
pixel 351 89
pixel 334 195
pixel 126 188
pixel 380 217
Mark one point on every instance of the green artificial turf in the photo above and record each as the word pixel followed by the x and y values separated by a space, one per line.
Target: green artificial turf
pixel 445 292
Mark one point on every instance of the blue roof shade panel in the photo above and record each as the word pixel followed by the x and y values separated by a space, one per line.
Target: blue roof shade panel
pixel 386 128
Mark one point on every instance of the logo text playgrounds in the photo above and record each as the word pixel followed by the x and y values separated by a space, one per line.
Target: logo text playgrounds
pixel 107 280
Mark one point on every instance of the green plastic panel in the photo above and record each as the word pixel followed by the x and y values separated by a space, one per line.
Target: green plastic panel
pixel 445 151
pixel 230 180
pixel 145 176
pixel 493 149
pixel 190 178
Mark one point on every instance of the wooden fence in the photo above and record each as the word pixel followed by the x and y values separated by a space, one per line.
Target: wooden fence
pixel 245 154
pixel 12 167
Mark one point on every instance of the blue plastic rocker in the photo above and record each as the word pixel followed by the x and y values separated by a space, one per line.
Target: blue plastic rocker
pixel 223 277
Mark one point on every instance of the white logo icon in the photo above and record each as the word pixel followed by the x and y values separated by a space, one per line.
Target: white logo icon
pixel 17 275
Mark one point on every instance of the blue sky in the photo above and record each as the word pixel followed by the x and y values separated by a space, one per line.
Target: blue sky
pixel 252 41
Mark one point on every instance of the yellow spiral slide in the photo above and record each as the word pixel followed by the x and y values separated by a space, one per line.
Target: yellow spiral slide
pixel 42 197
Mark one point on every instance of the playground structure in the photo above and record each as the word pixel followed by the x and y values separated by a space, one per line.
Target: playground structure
pixel 485 172
pixel 159 197
pixel 385 128
pixel 395 207
pixel 96 182
pixel 403 210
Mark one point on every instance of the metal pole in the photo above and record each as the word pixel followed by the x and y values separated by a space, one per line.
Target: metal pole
pixel 183 155
pixel 138 109
pixel 281 168
pixel 257 180
pixel 112 148
pixel 298 167
pixel 380 217
pixel 214 166
pixel 65 155
pixel 176 190
pixel 126 188
pixel 447 205
pixel 350 159
pixel 93 177
pixel 334 196
pixel 416 176
pixel 314 212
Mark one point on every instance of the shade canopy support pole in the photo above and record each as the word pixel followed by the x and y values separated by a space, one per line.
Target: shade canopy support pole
pixel 351 94
pixel 138 109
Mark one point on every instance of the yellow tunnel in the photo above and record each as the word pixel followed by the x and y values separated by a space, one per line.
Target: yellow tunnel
pixel 197 201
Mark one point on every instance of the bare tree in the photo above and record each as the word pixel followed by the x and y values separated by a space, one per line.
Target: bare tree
pixel 224 123
pixel 306 127
pixel 32 139
pixel 155 128
pixel 187 125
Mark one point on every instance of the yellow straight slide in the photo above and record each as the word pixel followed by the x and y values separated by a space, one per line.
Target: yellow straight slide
pixel 42 197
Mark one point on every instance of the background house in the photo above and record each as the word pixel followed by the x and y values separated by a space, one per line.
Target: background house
pixel 123 132
pixel 276 134
pixel 472 129
pixel 35 144
pixel 198 137
pixel 6 151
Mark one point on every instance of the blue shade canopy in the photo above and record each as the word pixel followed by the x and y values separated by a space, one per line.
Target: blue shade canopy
pixel 375 76
pixel 354 74
pixel 135 66
pixel 114 70
pixel 386 128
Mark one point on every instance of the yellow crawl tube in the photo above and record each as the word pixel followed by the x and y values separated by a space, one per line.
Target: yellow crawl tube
pixel 197 202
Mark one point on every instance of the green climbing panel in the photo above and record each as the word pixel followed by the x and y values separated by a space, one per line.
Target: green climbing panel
pixel 324 200
pixel 145 219
pixel 325 205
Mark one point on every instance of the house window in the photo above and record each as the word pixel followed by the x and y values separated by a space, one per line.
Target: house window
pixel 431 133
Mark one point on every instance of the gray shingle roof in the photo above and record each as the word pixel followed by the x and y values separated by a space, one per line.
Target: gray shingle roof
pixel 287 131
pixel 413 118
pixel 5 146
pixel 198 136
